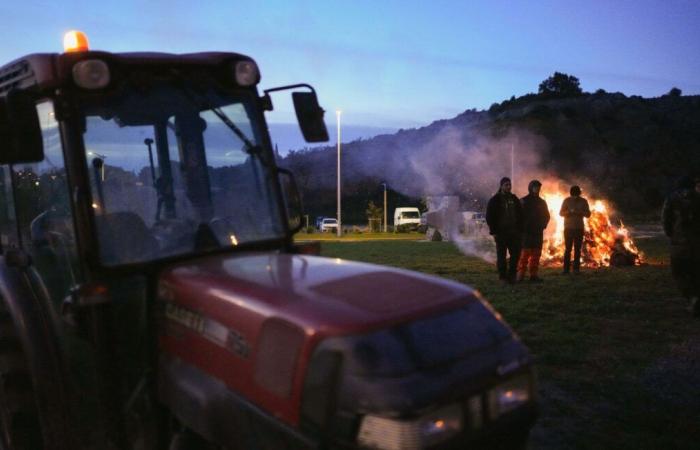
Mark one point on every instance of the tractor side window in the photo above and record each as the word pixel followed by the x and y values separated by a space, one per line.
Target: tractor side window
pixel 44 213
pixel 8 221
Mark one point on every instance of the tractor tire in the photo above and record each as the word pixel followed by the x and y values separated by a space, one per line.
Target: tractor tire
pixel 20 428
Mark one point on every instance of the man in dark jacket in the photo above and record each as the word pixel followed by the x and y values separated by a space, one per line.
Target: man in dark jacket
pixel 574 209
pixel 535 220
pixel 681 220
pixel 504 216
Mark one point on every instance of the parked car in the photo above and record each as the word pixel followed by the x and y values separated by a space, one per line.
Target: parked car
pixel 406 217
pixel 328 224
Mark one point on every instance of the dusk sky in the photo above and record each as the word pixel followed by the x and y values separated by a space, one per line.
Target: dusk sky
pixel 395 64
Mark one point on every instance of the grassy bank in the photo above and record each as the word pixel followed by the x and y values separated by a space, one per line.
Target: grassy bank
pixel 617 353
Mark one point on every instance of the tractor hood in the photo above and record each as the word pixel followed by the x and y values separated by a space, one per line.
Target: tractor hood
pixel 320 295
pixel 263 323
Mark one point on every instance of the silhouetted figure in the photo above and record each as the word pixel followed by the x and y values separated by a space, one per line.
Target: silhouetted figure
pixel 504 216
pixel 574 209
pixel 535 220
pixel 681 221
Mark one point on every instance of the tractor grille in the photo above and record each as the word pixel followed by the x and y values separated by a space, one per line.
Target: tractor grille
pixel 277 354
pixel 15 75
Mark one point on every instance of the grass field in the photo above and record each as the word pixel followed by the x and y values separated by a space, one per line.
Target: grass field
pixel 617 354
pixel 353 237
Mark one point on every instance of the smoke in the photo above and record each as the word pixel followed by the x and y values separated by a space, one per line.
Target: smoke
pixel 463 167
pixel 478 246
pixel 464 157
pixel 469 165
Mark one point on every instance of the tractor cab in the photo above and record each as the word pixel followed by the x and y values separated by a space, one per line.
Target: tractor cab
pixel 114 165
pixel 152 297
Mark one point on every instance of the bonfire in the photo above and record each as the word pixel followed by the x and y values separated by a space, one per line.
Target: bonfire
pixel 604 243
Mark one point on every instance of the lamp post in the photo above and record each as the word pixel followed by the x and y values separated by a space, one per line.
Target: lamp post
pixel 512 164
pixel 340 224
pixel 384 184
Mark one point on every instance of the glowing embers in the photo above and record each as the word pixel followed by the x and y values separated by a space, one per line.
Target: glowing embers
pixel 604 243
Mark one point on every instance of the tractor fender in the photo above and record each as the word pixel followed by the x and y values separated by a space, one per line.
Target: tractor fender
pixel 27 301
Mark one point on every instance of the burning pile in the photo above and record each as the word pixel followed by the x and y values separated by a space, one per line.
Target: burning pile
pixel 604 244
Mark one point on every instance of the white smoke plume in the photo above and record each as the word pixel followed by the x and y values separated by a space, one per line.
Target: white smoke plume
pixel 471 166
pixel 457 162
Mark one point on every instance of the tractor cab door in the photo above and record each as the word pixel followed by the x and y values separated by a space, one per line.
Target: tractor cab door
pixel 44 227
pixel 39 269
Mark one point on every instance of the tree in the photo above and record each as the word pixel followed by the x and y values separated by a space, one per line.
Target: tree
pixel 560 85
pixel 674 92
pixel 374 215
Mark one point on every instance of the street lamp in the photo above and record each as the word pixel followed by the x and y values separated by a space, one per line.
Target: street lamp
pixel 339 229
pixel 384 184
pixel 512 164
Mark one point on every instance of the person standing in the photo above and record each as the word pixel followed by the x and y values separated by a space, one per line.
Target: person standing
pixel 574 209
pixel 535 220
pixel 504 217
pixel 681 221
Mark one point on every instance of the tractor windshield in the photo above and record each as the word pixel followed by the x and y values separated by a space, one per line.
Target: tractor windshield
pixel 176 170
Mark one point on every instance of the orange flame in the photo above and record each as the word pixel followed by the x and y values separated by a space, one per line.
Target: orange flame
pixel 604 244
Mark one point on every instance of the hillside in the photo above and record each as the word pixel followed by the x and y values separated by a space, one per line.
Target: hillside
pixel 630 150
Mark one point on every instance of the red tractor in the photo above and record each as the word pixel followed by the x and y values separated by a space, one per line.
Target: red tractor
pixel 152 296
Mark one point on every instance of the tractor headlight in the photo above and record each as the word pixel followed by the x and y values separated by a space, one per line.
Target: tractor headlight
pixel 91 74
pixel 394 434
pixel 247 73
pixel 509 395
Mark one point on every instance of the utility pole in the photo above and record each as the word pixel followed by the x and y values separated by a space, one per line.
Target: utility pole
pixel 512 164
pixel 385 228
pixel 339 231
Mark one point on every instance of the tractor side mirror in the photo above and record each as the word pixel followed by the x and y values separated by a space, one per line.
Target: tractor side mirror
pixel 20 132
pixel 310 116
pixel 292 199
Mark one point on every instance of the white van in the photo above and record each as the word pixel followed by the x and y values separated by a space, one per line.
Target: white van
pixel 407 216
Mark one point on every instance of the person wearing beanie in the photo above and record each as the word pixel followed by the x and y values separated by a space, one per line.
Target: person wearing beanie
pixel 574 209
pixel 504 217
pixel 681 222
pixel 535 220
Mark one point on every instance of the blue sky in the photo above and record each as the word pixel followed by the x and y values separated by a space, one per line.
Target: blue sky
pixel 395 64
